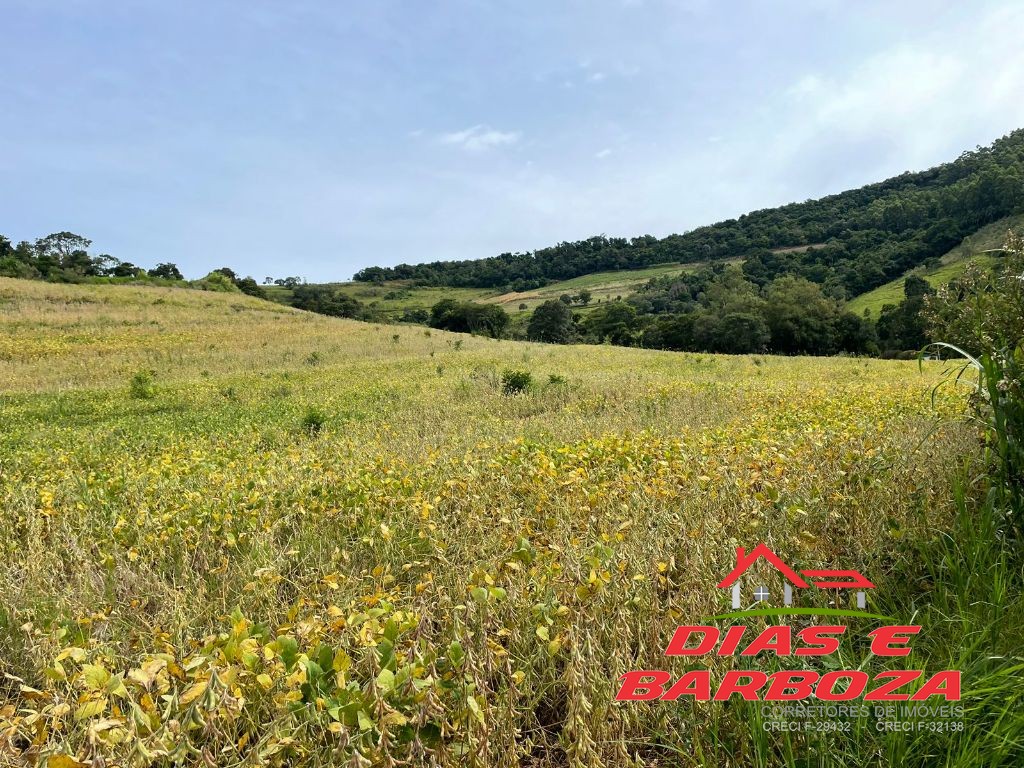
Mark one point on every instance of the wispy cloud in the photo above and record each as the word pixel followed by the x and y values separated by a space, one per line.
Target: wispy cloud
pixel 602 154
pixel 480 138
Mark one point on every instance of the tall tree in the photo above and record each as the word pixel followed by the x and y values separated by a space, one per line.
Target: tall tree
pixel 552 322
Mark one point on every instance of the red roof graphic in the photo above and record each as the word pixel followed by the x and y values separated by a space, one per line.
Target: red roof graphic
pixel 855 580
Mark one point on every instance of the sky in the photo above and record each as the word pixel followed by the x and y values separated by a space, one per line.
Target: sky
pixel 314 138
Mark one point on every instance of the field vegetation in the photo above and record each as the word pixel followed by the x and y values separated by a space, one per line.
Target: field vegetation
pixel 238 533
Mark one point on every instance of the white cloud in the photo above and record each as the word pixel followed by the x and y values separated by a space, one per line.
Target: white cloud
pixel 918 98
pixel 602 154
pixel 480 138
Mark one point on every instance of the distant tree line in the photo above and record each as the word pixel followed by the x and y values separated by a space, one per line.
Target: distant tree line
pixel 716 309
pixel 64 257
pixel 847 243
pixel 719 309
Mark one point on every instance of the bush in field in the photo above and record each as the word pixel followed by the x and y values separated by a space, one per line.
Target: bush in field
pixel 313 420
pixel 143 385
pixel 982 311
pixel 326 300
pixel 513 382
pixel 216 281
pixel 617 323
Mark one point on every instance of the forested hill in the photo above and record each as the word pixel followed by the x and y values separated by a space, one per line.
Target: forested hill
pixel 857 240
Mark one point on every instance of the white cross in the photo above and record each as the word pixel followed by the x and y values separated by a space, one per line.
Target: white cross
pixel 760 594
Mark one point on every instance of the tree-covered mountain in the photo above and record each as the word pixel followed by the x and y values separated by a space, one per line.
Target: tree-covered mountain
pixel 848 243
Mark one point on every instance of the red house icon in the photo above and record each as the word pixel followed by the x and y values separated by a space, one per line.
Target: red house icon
pixel 826 579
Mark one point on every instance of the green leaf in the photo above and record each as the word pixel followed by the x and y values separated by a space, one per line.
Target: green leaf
pixel 386 680
pixel 91 709
pixel 95 677
pixel 474 707
pixel 288 648
pixel 325 657
pixel 365 722
pixel 455 653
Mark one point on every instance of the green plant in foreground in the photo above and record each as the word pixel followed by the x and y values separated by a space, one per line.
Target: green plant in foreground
pixel 981 319
pixel 142 385
pixel 998 404
pixel 313 420
pixel 514 382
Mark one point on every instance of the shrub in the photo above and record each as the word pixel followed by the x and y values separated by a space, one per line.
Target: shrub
pixel 983 313
pixel 216 281
pixel 143 385
pixel 514 382
pixel 313 421
pixel 326 300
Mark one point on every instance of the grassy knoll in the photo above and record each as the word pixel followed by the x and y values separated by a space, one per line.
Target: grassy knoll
pixel 393 298
pixel 241 534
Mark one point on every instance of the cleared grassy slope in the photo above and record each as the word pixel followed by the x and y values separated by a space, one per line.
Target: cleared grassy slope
pixel 603 286
pixel 951 266
pixel 395 297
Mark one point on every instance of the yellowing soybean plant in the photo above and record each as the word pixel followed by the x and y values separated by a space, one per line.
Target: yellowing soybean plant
pixel 238 534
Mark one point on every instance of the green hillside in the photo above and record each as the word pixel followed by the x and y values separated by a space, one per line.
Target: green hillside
pixel 858 240
pixel 603 286
pixel 395 297
pixel 951 265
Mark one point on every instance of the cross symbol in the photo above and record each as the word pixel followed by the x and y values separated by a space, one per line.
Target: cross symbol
pixel 761 594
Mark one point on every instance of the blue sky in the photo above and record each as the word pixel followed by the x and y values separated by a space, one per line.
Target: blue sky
pixel 314 138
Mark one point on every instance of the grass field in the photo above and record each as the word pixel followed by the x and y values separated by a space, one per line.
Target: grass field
pixel 239 534
pixel 604 286
pixel 892 292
